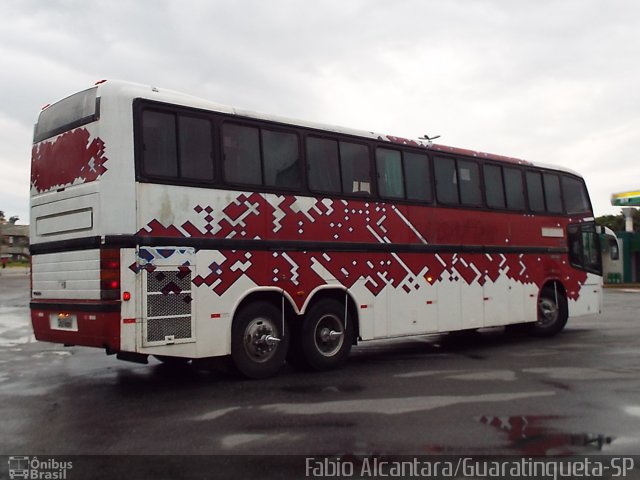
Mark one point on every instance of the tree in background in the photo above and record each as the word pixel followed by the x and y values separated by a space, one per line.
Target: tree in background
pixel 12 220
pixel 616 222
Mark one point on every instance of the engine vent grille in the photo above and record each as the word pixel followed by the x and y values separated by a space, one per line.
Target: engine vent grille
pixel 168 307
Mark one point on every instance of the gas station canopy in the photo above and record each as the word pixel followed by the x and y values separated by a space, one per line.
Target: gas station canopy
pixel 626 199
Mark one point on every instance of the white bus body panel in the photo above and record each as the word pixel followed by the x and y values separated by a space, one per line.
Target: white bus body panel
pixel 67 275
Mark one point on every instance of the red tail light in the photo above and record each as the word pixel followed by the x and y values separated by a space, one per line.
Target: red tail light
pixel 109 274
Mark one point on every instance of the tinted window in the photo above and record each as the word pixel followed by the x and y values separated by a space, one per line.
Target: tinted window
pixel 534 191
pixel 196 148
pixel 469 180
pixel 591 249
pixel 354 164
pixel 281 159
pixel 241 147
pixel 584 248
pixel 446 180
pixel 493 185
pixel 417 176
pixel 552 192
pixel 390 183
pixel 160 155
pixel 72 112
pixel 324 168
pixel 575 195
pixel 513 188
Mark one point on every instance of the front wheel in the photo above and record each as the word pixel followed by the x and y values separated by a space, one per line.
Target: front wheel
pixel 325 339
pixel 553 313
pixel 259 340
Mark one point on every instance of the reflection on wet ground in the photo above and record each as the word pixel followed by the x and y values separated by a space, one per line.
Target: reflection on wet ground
pixel 530 435
pixel 535 435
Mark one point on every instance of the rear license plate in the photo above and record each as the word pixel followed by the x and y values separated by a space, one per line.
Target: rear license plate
pixel 63 321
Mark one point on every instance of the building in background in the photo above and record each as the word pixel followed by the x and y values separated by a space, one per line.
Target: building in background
pixel 14 241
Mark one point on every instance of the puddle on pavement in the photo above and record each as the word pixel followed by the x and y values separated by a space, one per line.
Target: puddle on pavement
pixel 535 435
pixel 532 435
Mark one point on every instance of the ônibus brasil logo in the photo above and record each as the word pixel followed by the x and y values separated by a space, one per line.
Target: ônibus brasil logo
pixel 34 469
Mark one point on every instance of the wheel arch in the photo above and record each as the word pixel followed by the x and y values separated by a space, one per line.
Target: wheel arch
pixel 554 284
pixel 271 295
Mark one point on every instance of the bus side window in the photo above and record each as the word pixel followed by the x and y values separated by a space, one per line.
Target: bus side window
pixel 446 180
pixel 196 148
pixel 469 183
pixel 390 181
pixel 494 189
pixel 417 176
pixel 241 147
pixel 535 192
pixel 575 196
pixel 591 249
pixel 160 156
pixel 355 168
pixel 513 188
pixel 281 159
pixel 323 165
pixel 552 193
pixel 584 248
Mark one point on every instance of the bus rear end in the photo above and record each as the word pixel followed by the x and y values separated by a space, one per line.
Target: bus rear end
pixel 75 296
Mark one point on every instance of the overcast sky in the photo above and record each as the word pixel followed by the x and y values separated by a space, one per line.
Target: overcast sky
pixel 556 82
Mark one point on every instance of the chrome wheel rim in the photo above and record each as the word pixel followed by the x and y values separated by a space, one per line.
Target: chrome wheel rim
pixel 260 339
pixel 548 312
pixel 329 335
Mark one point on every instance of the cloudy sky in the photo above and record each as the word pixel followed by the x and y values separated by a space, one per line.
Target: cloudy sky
pixel 556 81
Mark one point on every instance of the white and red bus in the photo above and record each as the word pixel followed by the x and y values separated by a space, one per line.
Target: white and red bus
pixel 167 225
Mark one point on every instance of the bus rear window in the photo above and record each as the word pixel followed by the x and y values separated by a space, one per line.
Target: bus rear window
pixel 67 114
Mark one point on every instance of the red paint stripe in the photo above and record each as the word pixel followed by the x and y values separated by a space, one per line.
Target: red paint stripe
pixel 128 320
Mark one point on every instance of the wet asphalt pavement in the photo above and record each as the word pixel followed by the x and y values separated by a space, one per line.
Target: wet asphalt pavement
pixel 487 393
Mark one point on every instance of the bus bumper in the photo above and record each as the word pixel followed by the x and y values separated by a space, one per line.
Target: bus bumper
pixel 82 324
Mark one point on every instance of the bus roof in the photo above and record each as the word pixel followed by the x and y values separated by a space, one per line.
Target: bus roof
pixel 136 90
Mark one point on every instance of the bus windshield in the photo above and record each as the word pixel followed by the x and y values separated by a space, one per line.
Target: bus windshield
pixel 72 112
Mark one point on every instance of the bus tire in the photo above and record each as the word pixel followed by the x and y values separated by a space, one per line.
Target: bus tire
pixel 324 340
pixel 552 316
pixel 258 343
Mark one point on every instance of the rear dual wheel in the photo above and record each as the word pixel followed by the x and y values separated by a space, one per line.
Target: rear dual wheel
pixel 324 341
pixel 259 340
